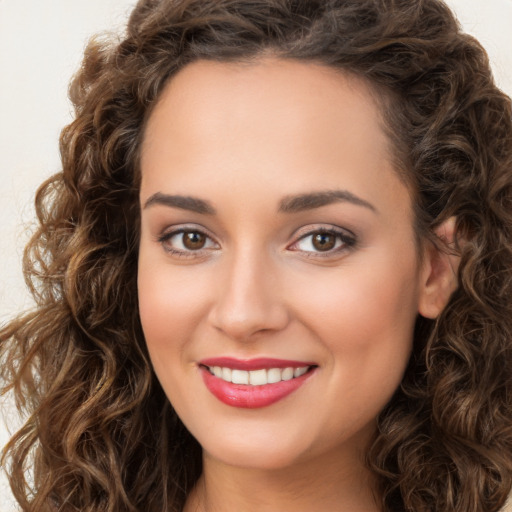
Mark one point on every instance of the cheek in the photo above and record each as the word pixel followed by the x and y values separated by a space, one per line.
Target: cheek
pixel 171 307
pixel 366 324
pixel 365 313
pixel 362 306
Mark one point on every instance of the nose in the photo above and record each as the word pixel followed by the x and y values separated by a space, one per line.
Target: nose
pixel 248 300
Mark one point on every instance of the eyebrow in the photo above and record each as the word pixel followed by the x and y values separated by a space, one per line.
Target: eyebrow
pixel 290 204
pixel 192 204
pixel 302 202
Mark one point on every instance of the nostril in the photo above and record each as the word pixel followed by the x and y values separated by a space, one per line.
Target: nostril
pixel 244 321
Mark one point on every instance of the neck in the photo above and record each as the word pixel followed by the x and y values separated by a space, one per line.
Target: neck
pixel 330 485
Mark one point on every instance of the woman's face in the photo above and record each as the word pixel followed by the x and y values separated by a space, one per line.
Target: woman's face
pixel 276 239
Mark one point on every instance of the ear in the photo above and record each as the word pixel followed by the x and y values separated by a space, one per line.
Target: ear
pixel 439 271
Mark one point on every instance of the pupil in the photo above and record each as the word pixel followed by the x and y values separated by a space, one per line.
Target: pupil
pixel 324 241
pixel 193 240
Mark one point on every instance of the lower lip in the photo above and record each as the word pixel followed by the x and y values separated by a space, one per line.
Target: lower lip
pixel 251 397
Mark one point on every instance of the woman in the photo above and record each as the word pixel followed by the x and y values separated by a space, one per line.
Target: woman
pixel 276 269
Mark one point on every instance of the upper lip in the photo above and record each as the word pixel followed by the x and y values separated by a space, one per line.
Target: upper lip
pixel 259 363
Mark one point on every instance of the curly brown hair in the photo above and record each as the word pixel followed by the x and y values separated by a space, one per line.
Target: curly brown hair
pixel 100 433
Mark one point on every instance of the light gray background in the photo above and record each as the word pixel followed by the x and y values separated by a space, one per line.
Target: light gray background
pixel 41 42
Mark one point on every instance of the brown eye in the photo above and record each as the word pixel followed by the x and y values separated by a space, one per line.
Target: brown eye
pixel 193 240
pixel 183 242
pixel 324 241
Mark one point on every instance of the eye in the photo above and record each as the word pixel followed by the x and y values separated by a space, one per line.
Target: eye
pixel 327 241
pixel 186 241
pixel 192 240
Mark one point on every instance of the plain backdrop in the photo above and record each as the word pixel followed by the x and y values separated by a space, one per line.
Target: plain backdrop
pixel 41 43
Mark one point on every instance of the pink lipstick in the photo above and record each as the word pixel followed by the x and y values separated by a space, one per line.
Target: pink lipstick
pixel 253 383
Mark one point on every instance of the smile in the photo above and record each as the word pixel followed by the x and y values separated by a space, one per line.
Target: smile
pixel 254 383
pixel 257 377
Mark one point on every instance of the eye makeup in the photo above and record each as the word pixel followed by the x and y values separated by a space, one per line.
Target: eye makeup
pixel 312 241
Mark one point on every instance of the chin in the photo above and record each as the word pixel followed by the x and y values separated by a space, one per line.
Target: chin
pixel 256 451
pixel 255 458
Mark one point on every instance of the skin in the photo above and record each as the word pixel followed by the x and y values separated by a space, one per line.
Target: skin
pixel 245 138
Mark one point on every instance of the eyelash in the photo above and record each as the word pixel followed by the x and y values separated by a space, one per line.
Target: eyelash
pixel 347 242
pixel 187 253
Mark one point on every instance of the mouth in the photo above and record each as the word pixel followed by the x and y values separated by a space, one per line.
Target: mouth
pixel 257 377
pixel 254 383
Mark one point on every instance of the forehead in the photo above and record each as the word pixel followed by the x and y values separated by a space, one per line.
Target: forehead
pixel 213 100
pixel 271 125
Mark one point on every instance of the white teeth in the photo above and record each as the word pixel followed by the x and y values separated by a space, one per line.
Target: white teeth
pixel 287 374
pixel 274 375
pixel 300 371
pixel 239 377
pixel 226 374
pixel 257 377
